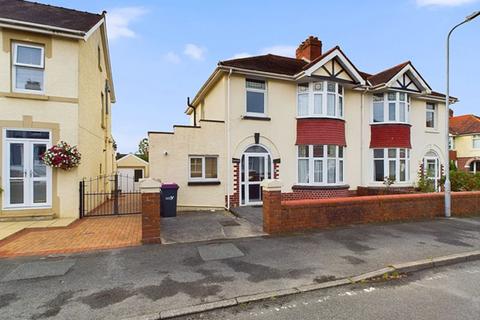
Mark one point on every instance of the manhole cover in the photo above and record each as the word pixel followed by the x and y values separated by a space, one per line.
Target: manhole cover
pixel 219 251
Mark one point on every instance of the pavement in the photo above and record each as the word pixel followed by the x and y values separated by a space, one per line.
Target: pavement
pixel 437 294
pixel 252 214
pixel 147 280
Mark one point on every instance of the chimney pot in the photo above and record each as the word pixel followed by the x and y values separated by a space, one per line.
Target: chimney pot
pixel 310 49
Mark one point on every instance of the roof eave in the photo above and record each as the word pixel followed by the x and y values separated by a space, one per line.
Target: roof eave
pixel 41 28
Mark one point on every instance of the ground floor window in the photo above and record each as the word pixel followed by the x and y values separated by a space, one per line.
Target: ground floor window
pixel 392 164
pixel 320 164
pixel 475 167
pixel 203 168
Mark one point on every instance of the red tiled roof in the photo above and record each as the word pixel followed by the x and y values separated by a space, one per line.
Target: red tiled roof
pixel 465 124
pixel 267 63
pixel 43 14
pixel 385 75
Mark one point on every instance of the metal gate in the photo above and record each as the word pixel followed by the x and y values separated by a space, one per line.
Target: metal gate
pixel 116 194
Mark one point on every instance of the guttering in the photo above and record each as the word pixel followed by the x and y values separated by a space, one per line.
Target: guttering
pixel 227 128
pixel 258 73
pixel 189 105
pixel 35 27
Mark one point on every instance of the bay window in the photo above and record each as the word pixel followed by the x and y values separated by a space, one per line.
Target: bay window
pixel 256 97
pixel 320 164
pixel 392 163
pixel 390 107
pixel 320 99
pixel 28 68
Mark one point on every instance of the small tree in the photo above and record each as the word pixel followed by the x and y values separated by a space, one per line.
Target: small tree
pixel 143 147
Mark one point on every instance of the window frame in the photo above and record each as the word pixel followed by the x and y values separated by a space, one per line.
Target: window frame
pixel 325 160
pixel 324 93
pixel 15 64
pixel 386 165
pixel 386 108
pixel 264 91
pixel 475 138
pixel 203 176
pixel 434 111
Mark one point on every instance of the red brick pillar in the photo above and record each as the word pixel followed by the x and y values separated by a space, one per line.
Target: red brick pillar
pixel 272 205
pixel 150 190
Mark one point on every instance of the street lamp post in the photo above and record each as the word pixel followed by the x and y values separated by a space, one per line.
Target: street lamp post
pixel 448 196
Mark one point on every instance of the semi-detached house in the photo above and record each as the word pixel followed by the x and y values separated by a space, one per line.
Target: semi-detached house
pixel 316 122
pixel 55 85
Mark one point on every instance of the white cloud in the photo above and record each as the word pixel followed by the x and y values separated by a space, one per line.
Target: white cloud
pixel 172 57
pixel 449 3
pixel 195 52
pixel 119 20
pixel 281 50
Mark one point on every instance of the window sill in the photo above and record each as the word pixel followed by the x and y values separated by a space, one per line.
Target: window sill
pixel 432 130
pixel 395 123
pixel 204 183
pixel 402 184
pixel 260 118
pixel 24 95
pixel 320 187
pixel 320 117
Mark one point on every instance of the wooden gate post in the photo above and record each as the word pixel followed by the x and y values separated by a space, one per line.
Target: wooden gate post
pixel 150 190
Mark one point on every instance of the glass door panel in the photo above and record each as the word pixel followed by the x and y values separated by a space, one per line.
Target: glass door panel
pixel 17 173
pixel 38 174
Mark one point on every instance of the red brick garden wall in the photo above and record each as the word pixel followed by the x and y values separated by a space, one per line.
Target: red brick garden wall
pixel 297 215
pixel 299 194
pixel 151 218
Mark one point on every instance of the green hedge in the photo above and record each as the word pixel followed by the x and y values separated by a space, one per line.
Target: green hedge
pixel 464 181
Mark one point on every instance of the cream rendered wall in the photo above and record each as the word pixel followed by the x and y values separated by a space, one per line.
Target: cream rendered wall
pixel 277 135
pixel 213 106
pixel 95 142
pixel 174 166
pixel 355 136
pixel 464 147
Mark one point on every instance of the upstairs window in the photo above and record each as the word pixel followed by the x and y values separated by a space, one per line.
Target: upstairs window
pixel 390 107
pixel 320 99
pixel 431 115
pixel 476 142
pixel 28 68
pixel 256 97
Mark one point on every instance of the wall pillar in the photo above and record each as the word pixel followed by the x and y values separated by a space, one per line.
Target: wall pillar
pixel 150 190
pixel 272 204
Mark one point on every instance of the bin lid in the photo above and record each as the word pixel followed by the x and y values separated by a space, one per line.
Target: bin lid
pixel 170 185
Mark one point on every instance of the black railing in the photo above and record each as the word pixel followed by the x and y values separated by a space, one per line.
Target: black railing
pixel 115 194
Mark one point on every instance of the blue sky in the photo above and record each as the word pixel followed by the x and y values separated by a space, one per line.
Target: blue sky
pixel 163 51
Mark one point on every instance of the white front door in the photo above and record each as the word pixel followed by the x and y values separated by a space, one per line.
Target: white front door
pixel 432 170
pixel 27 180
pixel 256 165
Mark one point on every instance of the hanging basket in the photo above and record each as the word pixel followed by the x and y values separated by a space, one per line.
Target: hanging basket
pixel 63 156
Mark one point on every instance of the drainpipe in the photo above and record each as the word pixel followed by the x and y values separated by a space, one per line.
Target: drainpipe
pixel 194 112
pixel 227 134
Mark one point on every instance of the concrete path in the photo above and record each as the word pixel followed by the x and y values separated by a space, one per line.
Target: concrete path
pixel 253 214
pixel 148 279
pixel 208 225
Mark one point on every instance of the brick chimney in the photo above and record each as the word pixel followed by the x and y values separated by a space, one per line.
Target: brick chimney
pixel 309 49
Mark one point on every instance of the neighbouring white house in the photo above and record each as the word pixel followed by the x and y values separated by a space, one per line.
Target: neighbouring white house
pixel 315 121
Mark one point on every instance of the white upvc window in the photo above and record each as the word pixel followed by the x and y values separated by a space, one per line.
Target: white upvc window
pixel 431 115
pixel 256 97
pixel 320 99
pixel 476 141
pixel 393 163
pixel 28 68
pixel 451 142
pixel 203 168
pixel 391 107
pixel 320 165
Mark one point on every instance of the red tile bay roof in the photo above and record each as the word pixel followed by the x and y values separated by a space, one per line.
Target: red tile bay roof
pixel 465 124
pixel 33 12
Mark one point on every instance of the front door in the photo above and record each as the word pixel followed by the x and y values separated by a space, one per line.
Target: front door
pixel 27 182
pixel 432 170
pixel 256 166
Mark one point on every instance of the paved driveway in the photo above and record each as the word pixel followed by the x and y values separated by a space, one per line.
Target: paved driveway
pixel 253 214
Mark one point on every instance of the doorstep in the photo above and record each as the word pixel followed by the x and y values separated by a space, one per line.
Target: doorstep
pixel 7 216
pixel 8 228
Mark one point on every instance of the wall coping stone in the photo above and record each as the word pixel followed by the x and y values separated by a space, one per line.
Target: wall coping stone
pixel 271 185
pixel 149 185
